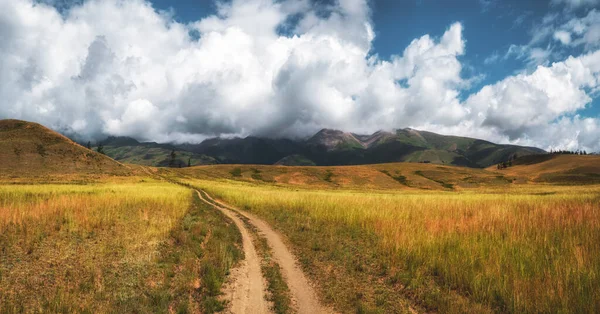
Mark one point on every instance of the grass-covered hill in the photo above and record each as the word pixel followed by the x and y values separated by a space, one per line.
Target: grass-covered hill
pixel 129 150
pixel 248 150
pixel 295 160
pixel 548 168
pixel 31 150
pixel 536 169
pixel 394 176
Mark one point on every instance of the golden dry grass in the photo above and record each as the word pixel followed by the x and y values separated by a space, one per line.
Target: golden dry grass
pixel 564 169
pixel 113 247
pixel 31 150
pixel 523 248
pixel 406 176
pixel 378 238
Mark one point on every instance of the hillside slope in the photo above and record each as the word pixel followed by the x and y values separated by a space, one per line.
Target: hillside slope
pixel 248 150
pixel 560 169
pixel 335 140
pixel 333 147
pixel 129 150
pixel 397 176
pixel 422 146
pixel 31 150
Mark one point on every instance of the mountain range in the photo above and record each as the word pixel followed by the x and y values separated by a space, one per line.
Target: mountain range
pixel 29 150
pixel 326 148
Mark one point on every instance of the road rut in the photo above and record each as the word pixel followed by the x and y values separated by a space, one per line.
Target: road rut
pixel 303 294
pixel 246 289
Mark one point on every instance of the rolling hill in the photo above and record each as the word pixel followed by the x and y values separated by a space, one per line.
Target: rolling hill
pixel 394 176
pixel 533 169
pixel 561 169
pixel 129 150
pixel 31 150
pixel 295 160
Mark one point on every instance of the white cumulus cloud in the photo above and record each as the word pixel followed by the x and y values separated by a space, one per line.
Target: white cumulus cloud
pixel 581 31
pixel 270 68
pixel 573 4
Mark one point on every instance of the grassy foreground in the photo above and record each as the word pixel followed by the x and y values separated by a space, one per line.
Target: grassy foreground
pixel 522 249
pixel 144 246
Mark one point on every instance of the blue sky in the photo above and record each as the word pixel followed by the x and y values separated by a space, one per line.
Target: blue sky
pixel 521 72
pixel 490 28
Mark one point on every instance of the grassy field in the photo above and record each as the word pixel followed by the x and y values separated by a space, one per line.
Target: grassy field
pixel 385 238
pixel 131 246
pixel 394 176
pixel 521 248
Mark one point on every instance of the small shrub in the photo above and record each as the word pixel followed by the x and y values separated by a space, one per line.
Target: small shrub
pixel 328 175
pixel 41 150
pixel 236 172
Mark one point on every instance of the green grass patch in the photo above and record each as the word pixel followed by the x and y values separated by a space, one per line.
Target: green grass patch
pixel 257 176
pixel 236 172
pixel 444 184
pixel 400 178
pixel 278 291
pixel 328 176
pixel 203 248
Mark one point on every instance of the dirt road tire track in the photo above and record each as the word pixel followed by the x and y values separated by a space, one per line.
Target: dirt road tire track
pixel 246 287
pixel 303 294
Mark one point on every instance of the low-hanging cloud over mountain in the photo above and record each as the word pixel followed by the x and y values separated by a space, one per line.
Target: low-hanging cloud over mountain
pixel 270 68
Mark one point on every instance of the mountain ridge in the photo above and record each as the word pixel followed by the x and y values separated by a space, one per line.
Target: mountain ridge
pixel 130 150
pixel 329 147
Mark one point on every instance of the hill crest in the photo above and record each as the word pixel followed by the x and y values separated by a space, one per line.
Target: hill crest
pixel 555 168
pixel 28 149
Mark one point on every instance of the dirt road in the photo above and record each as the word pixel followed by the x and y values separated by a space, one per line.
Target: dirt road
pixel 303 295
pixel 246 289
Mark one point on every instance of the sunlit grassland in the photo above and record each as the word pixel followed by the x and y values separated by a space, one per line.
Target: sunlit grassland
pixel 521 249
pixel 111 247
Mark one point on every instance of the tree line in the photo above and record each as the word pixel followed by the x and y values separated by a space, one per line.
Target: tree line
pixel 173 159
pixel 99 148
pixel 568 152
pixel 508 163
